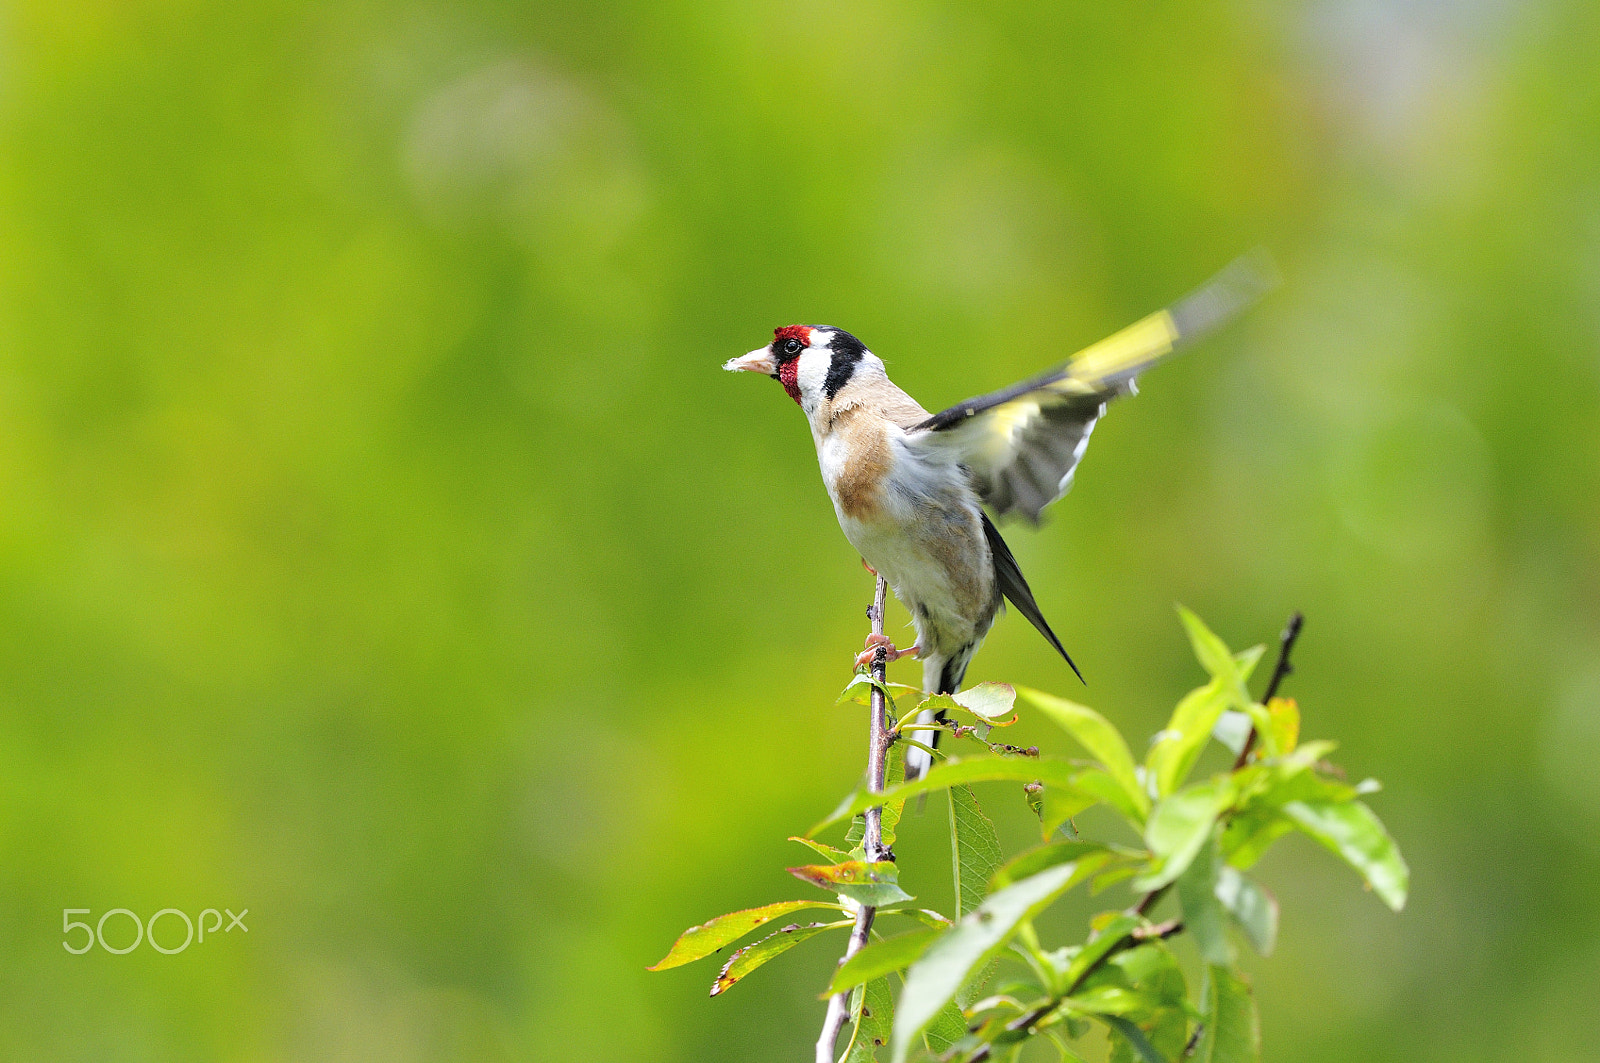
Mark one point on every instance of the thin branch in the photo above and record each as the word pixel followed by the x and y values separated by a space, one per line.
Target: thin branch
pixel 1029 1019
pixel 1291 632
pixel 872 845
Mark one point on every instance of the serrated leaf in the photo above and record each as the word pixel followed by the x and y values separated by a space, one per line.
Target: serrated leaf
pixel 1173 755
pixel 873 1012
pixel 881 958
pixel 865 883
pixel 1179 825
pixel 713 934
pixel 1096 734
pixel 1229 1029
pixel 974 858
pixel 974 849
pixel 1202 911
pixel 947 1027
pixel 750 957
pixel 956 771
pixel 932 982
pixel 1355 833
pixel 1251 906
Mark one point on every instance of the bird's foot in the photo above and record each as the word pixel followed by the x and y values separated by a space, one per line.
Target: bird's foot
pixel 868 567
pixel 864 658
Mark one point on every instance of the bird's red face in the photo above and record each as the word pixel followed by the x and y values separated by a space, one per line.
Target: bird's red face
pixel 812 362
pixel 779 359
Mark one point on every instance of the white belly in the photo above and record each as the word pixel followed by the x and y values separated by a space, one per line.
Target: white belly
pixel 925 537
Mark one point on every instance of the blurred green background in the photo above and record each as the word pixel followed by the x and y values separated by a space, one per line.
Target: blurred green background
pixel 382 550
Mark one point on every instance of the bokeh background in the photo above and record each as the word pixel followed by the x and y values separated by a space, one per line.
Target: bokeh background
pixel 382 551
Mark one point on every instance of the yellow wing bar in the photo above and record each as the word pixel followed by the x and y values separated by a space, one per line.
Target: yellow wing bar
pixel 1122 353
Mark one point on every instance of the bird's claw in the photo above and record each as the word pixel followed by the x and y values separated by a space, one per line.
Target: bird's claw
pixel 864 658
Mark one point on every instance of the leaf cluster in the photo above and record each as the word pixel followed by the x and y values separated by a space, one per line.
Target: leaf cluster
pixel 1200 840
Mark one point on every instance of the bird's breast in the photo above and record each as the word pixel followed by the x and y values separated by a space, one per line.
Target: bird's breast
pixel 856 461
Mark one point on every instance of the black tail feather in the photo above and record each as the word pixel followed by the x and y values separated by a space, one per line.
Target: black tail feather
pixel 1015 588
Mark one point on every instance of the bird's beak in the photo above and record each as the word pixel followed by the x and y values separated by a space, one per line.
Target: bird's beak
pixel 754 362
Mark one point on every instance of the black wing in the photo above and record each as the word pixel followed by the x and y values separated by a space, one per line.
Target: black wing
pixel 1008 576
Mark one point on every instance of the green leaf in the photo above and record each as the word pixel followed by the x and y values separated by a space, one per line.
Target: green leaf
pixel 865 883
pixel 1111 878
pixel 1153 969
pixel 1056 806
pixel 932 982
pixel 821 849
pixel 1179 745
pixel 1202 911
pixel 991 701
pixel 955 771
pixel 1215 657
pixel 1180 825
pixel 713 934
pixel 925 916
pixel 889 821
pixel 948 1027
pixel 1063 1047
pixel 1252 907
pixel 872 1007
pixel 860 688
pixel 1229 1029
pixel 1089 857
pixel 1212 653
pixel 1135 1038
pixel 1351 830
pixel 754 955
pixel 1250 833
pixel 1100 786
pixel 1108 999
pixel 974 857
pixel 1285 717
pixel 881 958
pixel 974 849
pixel 1095 733
pixel 1109 937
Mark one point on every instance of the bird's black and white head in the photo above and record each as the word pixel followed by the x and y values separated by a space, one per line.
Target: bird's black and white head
pixel 814 363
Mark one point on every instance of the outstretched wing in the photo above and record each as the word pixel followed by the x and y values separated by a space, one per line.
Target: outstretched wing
pixel 1022 443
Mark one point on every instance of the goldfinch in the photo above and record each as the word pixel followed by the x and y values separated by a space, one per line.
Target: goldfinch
pixel 910 488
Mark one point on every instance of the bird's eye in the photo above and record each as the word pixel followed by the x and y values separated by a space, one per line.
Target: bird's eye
pixel 792 346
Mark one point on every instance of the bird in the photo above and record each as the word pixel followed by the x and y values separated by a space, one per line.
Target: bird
pixel 911 489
